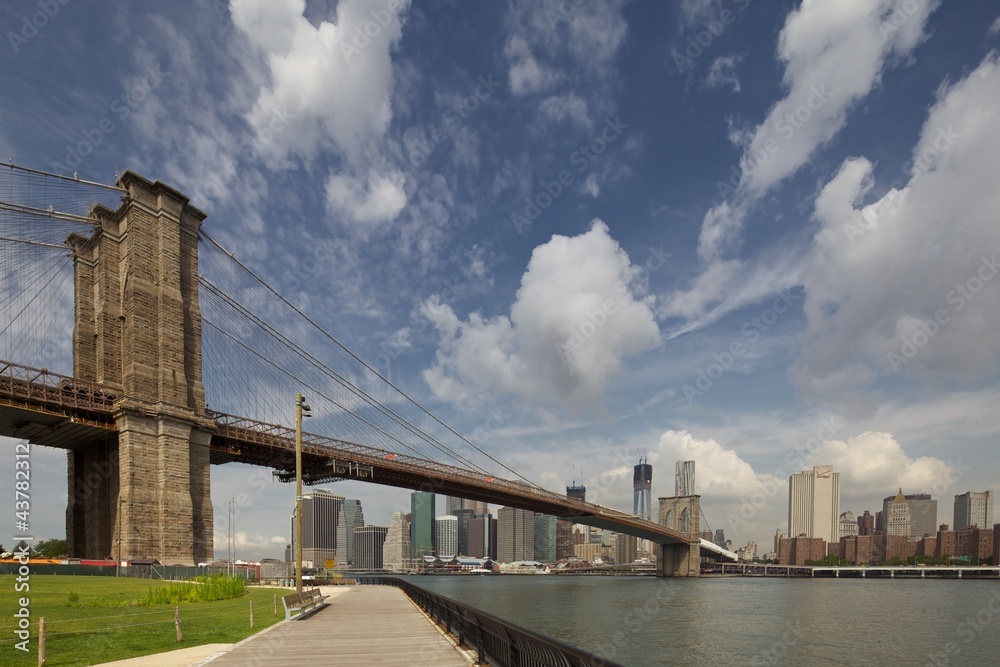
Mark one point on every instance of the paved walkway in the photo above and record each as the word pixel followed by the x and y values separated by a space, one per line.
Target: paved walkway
pixel 361 625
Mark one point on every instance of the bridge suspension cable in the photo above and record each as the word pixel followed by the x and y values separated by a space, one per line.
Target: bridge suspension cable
pixel 359 387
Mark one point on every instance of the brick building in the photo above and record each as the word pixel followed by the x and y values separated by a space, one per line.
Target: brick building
pixel 797 550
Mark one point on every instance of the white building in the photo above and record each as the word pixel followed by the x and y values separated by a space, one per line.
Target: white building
pixel 814 504
pixel 446 535
pixel 396 551
pixel 974 508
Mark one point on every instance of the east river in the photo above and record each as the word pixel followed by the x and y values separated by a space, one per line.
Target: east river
pixel 640 621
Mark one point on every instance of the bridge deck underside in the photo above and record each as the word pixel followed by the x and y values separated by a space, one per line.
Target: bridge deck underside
pixel 50 429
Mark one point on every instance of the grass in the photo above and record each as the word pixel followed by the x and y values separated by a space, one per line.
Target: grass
pixel 89 620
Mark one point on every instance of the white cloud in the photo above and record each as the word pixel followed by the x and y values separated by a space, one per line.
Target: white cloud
pixel 562 107
pixel 591 186
pixel 722 73
pixel 329 88
pixel 882 272
pixel 526 74
pixel 377 200
pixel 834 54
pixel 577 319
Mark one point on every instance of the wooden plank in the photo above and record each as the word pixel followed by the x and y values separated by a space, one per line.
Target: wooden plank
pixel 375 625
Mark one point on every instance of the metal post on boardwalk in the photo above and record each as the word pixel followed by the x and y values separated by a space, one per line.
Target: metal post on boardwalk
pixel 300 408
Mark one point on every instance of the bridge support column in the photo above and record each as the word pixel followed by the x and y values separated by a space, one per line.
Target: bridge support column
pixel 683 514
pixel 138 333
pixel 679 560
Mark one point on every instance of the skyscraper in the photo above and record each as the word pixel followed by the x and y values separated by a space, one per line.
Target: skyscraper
pixel 545 538
pixel 350 518
pixel 898 519
pixel 422 517
pixel 453 504
pixel 369 546
pixel 446 535
pixel 515 535
pixel 464 516
pixel 396 552
pixel 483 537
pixel 974 508
pixel 642 480
pixel 684 478
pixel 923 514
pixel 320 514
pixel 578 492
pixel 814 504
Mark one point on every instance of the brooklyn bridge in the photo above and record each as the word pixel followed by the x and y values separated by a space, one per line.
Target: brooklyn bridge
pixel 148 314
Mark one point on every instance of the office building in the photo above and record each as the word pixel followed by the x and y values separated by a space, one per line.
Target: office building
pixel 626 548
pixel 396 552
pixel 446 536
pixel 577 492
pixel 866 523
pixel 720 538
pixel 546 538
pixel 320 514
pixel 923 514
pixel 369 544
pixel 453 505
pixel 564 539
pixel 422 517
pixel 898 520
pixel 848 524
pixel 642 481
pixel 974 508
pixel 350 518
pixel 464 516
pixel 684 478
pixel 483 537
pixel 814 504
pixel 515 535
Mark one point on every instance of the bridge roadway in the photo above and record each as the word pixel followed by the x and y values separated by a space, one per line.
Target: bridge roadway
pixel 54 410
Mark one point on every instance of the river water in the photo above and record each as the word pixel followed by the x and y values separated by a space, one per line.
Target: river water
pixel 748 621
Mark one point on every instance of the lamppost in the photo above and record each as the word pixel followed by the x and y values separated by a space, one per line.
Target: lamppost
pixel 118 561
pixel 300 408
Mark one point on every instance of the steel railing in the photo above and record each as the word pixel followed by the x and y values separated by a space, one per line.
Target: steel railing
pixel 497 642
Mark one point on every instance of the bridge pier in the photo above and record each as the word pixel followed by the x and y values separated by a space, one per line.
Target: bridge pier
pixel 679 559
pixel 138 333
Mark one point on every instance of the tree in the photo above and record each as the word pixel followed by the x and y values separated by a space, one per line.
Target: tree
pixel 50 548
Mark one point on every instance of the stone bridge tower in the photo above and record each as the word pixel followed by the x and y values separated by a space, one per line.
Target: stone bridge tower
pixel 683 514
pixel 144 492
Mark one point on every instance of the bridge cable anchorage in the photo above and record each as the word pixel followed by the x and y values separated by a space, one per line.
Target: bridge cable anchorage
pixel 337 377
pixel 336 342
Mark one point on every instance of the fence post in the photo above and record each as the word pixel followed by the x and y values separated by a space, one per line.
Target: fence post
pixel 276 605
pixel 41 641
pixel 177 622
pixel 251 613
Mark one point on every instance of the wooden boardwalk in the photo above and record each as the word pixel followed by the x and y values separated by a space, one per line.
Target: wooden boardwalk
pixel 360 625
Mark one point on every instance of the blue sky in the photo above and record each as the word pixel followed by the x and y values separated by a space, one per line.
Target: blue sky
pixel 759 235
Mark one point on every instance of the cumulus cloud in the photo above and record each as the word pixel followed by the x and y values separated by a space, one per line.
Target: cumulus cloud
pixel 526 75
pixel 329 88
pixel 563 107
pixel 905 286
pixel 834 54
pixel 579 316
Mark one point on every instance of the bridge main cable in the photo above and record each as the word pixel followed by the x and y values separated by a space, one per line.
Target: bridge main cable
pixel 336 342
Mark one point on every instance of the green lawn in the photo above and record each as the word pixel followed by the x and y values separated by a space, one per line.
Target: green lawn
pixel 87 635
